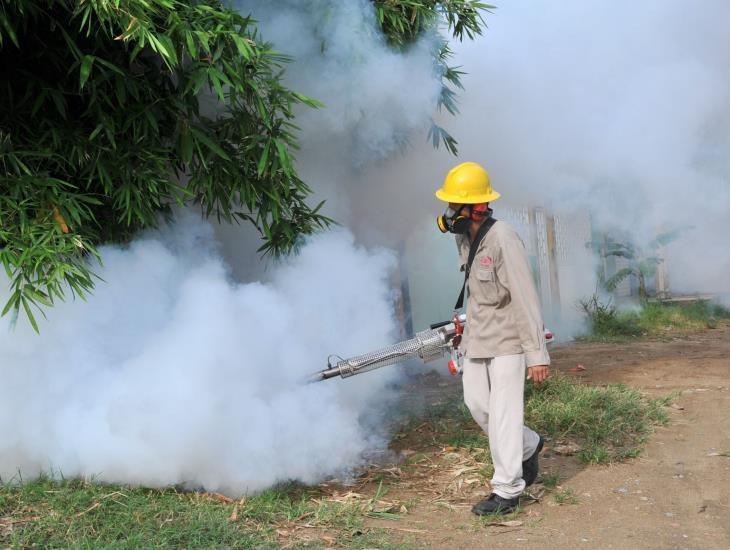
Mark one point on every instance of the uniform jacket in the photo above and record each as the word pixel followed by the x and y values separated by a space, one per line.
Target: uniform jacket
pixel 503 314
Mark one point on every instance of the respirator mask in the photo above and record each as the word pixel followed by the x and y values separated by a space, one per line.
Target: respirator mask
pixel 453 222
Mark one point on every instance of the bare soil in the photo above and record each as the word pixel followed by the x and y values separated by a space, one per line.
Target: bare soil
pixel 675 495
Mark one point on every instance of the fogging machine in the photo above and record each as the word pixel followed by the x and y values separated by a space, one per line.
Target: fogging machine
pixel 428 345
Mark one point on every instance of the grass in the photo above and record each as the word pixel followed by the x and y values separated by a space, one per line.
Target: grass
pixel 81 514
pixel 550 480
pixel 485 520
pixel 656 317
pixel 609 423
pixel 565 496
pixel 607 324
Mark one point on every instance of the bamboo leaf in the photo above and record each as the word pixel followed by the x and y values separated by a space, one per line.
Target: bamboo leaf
pixel 30 315
pixel 8 29
pixel 186 146
pixel 263 161
pixel 209 143
pixel 11 303
pixel 86 64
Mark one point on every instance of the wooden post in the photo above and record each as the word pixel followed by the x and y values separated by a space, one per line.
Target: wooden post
pixel 662 277
pixel 535 257
pixel 553 267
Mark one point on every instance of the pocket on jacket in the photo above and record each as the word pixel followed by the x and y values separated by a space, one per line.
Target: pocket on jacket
pixel 485 274
pixel 488 285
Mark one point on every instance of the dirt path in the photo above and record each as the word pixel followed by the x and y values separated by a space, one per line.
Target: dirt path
pixel 675 495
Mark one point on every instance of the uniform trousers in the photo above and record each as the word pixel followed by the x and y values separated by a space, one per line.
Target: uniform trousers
pixel 494 392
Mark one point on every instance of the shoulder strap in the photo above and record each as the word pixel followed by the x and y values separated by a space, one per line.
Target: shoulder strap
pixel 483 230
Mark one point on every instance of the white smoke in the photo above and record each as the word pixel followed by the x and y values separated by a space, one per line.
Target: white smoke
pixel 623 112
pixel 171 373
pixel 593 107
pixel 374 97
pixel 375 100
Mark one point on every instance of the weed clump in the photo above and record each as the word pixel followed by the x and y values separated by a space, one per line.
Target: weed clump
pixel 605 322
pixel 608 422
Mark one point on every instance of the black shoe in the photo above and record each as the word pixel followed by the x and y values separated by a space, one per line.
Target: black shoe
pixel 495 504
pixel 530 467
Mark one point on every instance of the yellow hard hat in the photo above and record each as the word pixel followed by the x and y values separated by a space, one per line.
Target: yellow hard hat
pixel 467 183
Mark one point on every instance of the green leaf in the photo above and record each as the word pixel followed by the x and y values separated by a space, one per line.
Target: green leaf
pixel 283 156
pixel 214 77
pixel 190 42
pixel 9 29
pixel 30 315
pixel 612 282
pixel 263 161
pixel 242 46
pixel 11 303
pixel 86 63
pixel 186 146
pixel 39 297
pixel 209 143
pixel 96 131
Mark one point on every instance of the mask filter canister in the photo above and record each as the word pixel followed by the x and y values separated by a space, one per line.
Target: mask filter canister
pixel 452 222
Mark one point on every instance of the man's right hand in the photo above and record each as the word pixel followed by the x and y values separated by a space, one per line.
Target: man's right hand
pixel 538 373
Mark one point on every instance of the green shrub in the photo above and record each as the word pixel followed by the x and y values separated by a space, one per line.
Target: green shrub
pixel 606 322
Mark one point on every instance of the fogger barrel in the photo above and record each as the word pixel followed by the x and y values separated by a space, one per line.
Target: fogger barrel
pixel 426 345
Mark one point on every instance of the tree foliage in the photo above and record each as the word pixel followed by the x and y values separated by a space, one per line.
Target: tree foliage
pixel 404 21
pixel 113 111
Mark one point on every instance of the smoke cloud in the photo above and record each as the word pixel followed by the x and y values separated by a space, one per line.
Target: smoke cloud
pixel 374 97
pixel 171 373
pixel 376 103
pixel 175 372
pixel 588 106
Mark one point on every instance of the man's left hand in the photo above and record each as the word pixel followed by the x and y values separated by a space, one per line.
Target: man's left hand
pixel 538 373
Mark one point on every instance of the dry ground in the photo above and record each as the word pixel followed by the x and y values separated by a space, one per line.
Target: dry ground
pixel 675 495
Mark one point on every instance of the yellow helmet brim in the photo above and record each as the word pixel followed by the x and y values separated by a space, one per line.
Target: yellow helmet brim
pixel 466 198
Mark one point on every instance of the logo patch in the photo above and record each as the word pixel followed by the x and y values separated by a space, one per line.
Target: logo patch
pixel 486 261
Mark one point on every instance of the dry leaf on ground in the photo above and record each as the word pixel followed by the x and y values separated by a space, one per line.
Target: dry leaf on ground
pixel 567 448
pixel 511 523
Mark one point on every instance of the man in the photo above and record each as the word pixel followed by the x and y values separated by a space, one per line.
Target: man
pixel 504 332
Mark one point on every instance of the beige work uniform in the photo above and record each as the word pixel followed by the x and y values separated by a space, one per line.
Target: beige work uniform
pixel 504 334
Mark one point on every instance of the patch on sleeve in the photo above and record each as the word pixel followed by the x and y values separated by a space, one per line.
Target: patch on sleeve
pixel 486 261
